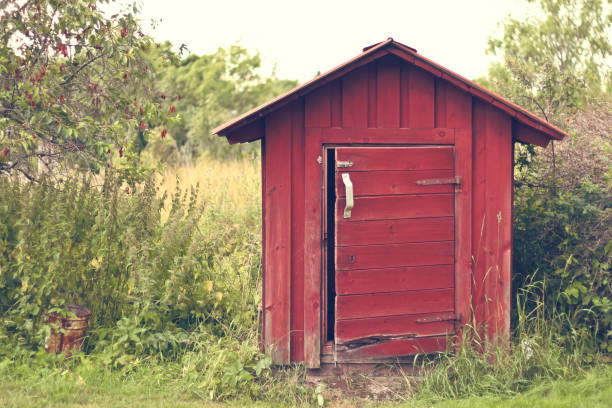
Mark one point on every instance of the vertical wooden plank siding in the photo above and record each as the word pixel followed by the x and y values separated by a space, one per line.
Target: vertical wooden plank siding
pixel 277 255
pixel 312 248
pixel 336 103
pixel 404 95
pixel 421 98
pixel 297 232
pixel 372 95
pixel 441 86
pixel 317 110
pixel 463 226
pixel 388 93
pixel 492 222
pixel 263 243
pixel 458 108
pixel 479 221
pixel 355 99
pixel 498 215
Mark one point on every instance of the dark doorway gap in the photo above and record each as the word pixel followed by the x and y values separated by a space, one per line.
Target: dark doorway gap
pixel 331 242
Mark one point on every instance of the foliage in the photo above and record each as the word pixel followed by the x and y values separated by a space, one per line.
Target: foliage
pixel 556 61
pixel 562 233
pixel 175 278
pixel 75 86
pixel 555 65
pixel 213 89
pixel 536 355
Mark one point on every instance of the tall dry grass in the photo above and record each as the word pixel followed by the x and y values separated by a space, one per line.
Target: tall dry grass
pixel 227 187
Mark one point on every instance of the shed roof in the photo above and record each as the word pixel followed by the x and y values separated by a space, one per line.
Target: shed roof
pixel 410 55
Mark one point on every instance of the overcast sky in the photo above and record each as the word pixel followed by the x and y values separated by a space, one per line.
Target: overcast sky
pixel 303 37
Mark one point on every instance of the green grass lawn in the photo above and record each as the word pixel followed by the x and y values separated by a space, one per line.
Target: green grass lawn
pixel 152 388
pixel 592 391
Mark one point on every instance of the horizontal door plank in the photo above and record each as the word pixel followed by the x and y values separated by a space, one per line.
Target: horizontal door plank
pixel 360 281
pixel 397 158
pixel 394 303
pixel 394 255
pixel 395 231
pixel 392 348
pixel 397 136
pixel 368 329
pixel 396 207
pixel 371 183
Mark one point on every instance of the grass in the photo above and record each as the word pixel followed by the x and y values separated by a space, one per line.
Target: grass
pixel 594 390
pixel 228 187
pixel 541 374
pixel 152 386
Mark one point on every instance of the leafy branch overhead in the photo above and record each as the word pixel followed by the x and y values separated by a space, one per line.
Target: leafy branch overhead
pixel 75 86
pixel 214 89
pixel 555 61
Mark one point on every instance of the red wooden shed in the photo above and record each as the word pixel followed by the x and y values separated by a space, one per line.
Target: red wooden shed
pixel 387 208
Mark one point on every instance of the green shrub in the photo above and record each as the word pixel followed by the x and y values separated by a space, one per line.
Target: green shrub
pixel 535 355
pixel 148 280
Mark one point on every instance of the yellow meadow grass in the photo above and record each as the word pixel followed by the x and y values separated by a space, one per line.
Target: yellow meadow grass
pixel 227 186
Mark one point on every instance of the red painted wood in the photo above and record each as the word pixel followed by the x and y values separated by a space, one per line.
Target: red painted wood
pixel 463 228
pixel 384 182
pixel 399 347
pixel 297 232
pixel 250 132
pixel 388 136
pixel 317 107
pixel 479 225
pixel 264 221
pixel 421 99
pixel 355 99
pixel 498 214
pixel 458 108
pixel 336 103
pixel 397 158
pixel 278 236
pixel 312 249
pixel 388 93
pixel 394 303
pixel 352 329
pixel 394 255
pixel 440 109
pixel 395 231
pixel 492 211
pixel 396 207
pixel 405 95
pixel 372 96
pixel 528 135
pixel 387 48
pixel 352 282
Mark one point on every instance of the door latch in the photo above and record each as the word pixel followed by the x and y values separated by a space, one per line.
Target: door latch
pixel 348 185
pixel 344 164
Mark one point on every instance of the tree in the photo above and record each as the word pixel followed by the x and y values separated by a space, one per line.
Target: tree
pixel 74 86
pixel 555 62
pixel 209 90
pixel 556 66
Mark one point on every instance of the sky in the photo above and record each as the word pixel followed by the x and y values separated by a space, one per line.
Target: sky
pixel 300 38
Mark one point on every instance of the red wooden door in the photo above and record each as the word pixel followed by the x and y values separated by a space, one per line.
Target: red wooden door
pixel 394 254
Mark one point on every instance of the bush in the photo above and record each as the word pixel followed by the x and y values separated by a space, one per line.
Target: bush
pixel 152 270
pixel 562 227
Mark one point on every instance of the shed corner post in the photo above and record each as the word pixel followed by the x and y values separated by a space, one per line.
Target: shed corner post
pixel 312 249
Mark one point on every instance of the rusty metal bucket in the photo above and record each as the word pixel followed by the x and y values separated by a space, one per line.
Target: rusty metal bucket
pixel 71 331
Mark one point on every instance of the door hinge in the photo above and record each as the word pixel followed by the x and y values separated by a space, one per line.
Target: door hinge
pixel 430 182
pixel 444 318
pixel 342 164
